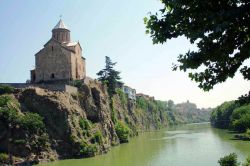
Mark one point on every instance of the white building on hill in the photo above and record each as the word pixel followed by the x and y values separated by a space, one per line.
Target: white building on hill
pixel 130 92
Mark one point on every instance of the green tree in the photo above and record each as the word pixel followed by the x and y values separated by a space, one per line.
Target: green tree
pixel 219 28
pixel 221 115
pixel 241 118
pixel 109 76
pixel 230 160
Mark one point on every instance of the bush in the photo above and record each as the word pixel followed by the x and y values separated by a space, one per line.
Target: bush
pixel 77 83
pixel 4 158
pixel 85 124
pixel 97 137
pixel 6 89
pixel 29 121
pixel 122 131
pixel 87 150
pixel 32 121
pixel 230 160
pixel 4 100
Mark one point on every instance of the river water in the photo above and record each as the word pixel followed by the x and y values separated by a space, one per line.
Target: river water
pixel 187 145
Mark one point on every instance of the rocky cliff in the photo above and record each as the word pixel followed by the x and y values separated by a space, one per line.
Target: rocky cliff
pixel 41 125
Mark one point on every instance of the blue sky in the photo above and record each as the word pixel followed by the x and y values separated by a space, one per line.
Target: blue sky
pixel 105 28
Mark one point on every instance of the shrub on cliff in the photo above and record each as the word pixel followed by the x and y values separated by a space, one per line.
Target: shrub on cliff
pixel 122 131
pixel 29 123
pixel 5 89
pixel 10 115
pixel 77 83
pixel 32 122
pixel 87 150
pixel 85 124
pixel 97 137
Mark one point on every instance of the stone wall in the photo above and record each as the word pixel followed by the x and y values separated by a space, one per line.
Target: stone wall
pixel 78 63
pixel 53 87
pixel 70 89
pixel 53 62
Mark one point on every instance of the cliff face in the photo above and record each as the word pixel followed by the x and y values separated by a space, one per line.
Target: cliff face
pixel 73 126
pixel 78 125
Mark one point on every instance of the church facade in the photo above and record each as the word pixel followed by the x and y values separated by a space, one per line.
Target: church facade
pixel 60 59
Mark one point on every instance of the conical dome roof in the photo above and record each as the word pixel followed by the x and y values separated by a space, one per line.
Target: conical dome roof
pixel 60 25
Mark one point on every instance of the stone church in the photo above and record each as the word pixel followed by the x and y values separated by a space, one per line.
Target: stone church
pixel 60 59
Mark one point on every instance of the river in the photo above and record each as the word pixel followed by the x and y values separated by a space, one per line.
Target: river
pixel 187 145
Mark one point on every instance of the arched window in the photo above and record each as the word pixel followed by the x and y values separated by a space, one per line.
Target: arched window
pixel 52 48
pixel 52 75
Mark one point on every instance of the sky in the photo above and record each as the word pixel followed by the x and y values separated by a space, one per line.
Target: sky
pixel 105 28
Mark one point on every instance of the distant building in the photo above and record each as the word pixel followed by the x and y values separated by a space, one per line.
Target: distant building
pixel 60 59
pixel 140 95
pixel 145 96
pixel 130 92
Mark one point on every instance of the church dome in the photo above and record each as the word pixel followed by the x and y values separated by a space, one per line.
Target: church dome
pixel 60 25
pixel 61 33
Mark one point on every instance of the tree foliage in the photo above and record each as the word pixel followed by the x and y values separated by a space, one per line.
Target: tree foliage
pixel 5 89
pixel 241 118
pixel 87 150
pixel 230 160
pixel 219 28
pixel 231 115
pixel 221 115
pixel 109 76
